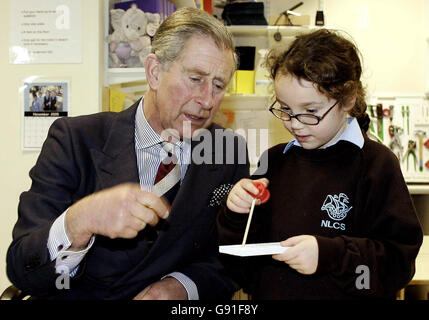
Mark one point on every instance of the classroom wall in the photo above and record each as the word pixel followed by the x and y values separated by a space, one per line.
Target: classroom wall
pixel 391 34
pixel 85 80
pixel 426 35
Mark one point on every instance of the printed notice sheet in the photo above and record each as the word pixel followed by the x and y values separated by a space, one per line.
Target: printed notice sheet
pixel 45 31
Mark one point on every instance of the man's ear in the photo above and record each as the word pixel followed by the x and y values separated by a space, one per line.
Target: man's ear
pixel 153 71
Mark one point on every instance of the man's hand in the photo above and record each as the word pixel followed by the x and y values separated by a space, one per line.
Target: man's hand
pixel 303 254
pixel 118 212
pixel 166 289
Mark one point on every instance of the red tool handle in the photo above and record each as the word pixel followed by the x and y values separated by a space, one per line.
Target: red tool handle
pixel 263 194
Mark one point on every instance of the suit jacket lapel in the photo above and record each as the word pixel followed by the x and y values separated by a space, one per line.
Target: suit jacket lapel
pixel 116 162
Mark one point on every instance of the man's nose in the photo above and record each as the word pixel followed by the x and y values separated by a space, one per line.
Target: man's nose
pixel 205 95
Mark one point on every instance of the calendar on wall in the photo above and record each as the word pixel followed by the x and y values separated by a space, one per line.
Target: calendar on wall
pixel 43 103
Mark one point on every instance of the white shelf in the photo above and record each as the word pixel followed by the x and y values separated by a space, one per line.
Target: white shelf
pixel 248 30
pixel 124 75
pixel 418 188
pixel 251 30
pixel 126 70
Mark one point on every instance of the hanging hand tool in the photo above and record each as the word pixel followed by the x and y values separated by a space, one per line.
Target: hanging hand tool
pixel 421 134
pixel 411 151
pixel 391 113
pixel 395 132
pixel 371 110
pixel 386 113
pixel 372 116
pixel 407 112
pixel 379 110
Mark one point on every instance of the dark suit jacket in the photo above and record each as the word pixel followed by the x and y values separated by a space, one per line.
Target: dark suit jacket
pixel 82 155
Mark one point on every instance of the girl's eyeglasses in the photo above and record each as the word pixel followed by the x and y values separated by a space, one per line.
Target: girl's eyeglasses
pixel 305 118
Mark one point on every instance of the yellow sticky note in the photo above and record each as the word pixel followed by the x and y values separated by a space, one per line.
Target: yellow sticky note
pixel 117 100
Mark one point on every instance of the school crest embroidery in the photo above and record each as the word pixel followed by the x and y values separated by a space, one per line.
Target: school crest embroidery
pixel 336 206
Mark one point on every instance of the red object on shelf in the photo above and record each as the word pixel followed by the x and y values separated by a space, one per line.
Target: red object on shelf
pixel 263 194
pixel 427 143
pixel 208 6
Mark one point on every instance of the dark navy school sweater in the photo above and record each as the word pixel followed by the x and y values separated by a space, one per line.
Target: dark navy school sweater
pixel 354 201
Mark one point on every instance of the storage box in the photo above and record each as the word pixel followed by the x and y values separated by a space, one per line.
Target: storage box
pixel 244 13
pixel 244 81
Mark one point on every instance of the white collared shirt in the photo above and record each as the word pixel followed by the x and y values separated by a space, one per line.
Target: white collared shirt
pixel 352 134
pixel 150 152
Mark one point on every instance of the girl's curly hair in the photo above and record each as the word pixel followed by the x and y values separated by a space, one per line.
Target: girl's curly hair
pixel 327 59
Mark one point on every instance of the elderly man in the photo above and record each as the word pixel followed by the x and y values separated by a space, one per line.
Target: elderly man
pixel 120 203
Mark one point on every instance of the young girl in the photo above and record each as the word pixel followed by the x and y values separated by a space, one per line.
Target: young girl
pixel 338 200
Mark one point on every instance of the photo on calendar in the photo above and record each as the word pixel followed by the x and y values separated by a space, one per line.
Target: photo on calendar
pixel 48 99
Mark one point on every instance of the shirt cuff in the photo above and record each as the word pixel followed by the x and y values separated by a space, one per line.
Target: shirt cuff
pixel 66 261
pixel 187 283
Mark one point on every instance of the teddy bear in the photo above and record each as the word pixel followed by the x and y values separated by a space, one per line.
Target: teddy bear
pixel 130 41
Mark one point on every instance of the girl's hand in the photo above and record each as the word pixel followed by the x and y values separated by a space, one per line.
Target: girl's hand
pixel 239 200
pixel 303 254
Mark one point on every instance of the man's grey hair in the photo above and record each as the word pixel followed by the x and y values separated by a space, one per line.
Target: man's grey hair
pixel 170 38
